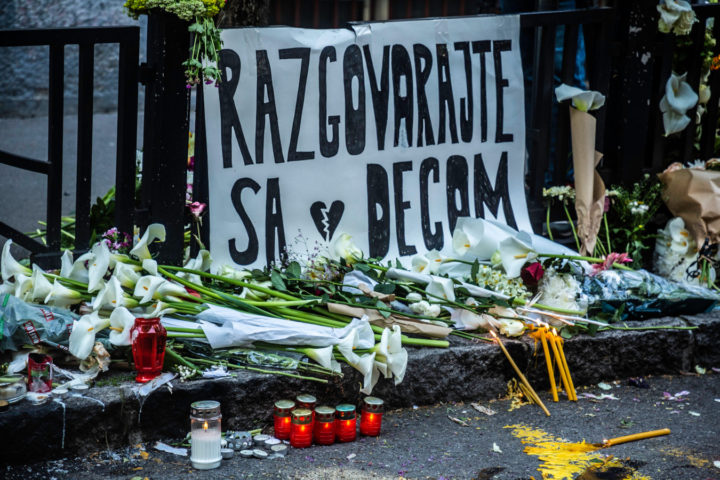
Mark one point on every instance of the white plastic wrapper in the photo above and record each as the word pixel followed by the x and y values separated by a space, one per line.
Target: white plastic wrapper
pixel 226 328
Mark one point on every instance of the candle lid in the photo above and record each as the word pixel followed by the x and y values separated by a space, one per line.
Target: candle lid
pixel 372 404
pixel 301 416
pixel 345 411
pixel 205 407
pixel 324 413
pixel 284 404
pixel 305 398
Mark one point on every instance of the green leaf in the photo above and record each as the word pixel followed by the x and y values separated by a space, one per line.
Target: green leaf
pixel 196 28
pixel 386 288
pixel 363 267
pixel 277 281
pixel 398 264
pixel 382 308
pixel 293 270
pixel 474 270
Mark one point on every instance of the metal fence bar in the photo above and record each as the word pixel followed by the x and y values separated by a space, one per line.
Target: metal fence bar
pixel 570 43
pixel 693 78
pixel 29 164
pixel 55 145
pixel 126 135
pixel 201 191
pixel 84 145
pixel 65 36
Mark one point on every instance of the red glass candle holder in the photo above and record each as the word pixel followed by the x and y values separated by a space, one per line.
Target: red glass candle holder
pixel 306 401
pixel 345 423
pixel 371 416
pixel 40 373
pixel 324 431
pixel 148 348
pixel 281 416
pixel 301 428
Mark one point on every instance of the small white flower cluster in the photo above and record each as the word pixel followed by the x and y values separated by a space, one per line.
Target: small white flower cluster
pixel 675 251
pixel 422 307
pixel 562 290
pixel 676 16
pixel 559 192
pixel 497 281
pixel 186 373
pixel 638 208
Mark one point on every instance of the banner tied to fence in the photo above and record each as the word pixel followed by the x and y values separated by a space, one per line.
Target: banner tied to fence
pixel 388 132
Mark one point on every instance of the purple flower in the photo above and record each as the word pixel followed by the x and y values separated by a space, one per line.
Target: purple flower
pixel 197 209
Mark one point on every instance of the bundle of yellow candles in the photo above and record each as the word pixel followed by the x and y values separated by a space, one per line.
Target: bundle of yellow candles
pixel 545 335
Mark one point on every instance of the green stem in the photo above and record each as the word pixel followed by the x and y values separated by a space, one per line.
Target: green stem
pixel 184 335
pixel 539 306
pixel 657 327
pixel 572 226
pixel 607 233
pixel 179 359
pixel 185 330
pixel 547 223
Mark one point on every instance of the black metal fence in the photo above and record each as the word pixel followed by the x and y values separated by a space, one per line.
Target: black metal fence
pixel 86 39
pixel 626 58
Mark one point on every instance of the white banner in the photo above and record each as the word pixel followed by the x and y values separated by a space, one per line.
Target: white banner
pixel 388 132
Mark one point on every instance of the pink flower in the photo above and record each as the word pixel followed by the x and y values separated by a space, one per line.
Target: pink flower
pixel 197 209
pixel 610 259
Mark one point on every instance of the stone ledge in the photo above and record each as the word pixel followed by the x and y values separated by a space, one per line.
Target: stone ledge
pixel 465 371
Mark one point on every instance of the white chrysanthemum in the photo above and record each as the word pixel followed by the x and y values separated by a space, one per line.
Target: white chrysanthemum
pixel 561 290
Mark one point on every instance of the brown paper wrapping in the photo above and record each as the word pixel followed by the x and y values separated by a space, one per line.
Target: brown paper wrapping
pixel 694 196
pixel 589 187
pixel 406 324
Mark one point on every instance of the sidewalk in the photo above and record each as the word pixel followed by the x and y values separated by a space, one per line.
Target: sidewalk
pixel 112 416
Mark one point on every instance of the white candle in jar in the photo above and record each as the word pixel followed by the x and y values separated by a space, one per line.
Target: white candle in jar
pixel 205 448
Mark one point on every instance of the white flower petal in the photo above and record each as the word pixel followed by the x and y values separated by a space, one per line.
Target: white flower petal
pixel 63 297
pixel 41 285
pixel 9 267
pixel 98 266
pixel 440 288
pixel 123 319
pixel 155 231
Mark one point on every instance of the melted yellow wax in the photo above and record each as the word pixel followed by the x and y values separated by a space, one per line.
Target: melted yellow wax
pixel 565 460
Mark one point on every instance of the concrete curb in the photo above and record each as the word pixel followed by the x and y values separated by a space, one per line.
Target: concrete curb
pixel 465 371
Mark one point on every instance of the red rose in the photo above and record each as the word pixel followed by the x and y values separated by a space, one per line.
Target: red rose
pixel 532 273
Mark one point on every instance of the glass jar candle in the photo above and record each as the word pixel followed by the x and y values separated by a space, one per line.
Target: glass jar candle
pixel 345 423
pixel 148 348
pixel 301 428
pixel 324 431
pixel 281 417
pixel 40 373
pixel 306 401
pixel 371 416
pixel 205 434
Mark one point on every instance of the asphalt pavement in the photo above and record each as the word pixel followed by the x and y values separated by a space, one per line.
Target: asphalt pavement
pixel 457 440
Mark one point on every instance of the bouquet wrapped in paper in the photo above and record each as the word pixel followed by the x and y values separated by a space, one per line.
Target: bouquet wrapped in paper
pixel 693 194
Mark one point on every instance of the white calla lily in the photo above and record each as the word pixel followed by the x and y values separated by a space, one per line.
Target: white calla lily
pixel 252 294
pixel 82 337
pixel 127 274
pixel 156 288
pixel 583 100
pixel 233 273
pixel 396 355
pixel 201 263
pixel 61 296
pixel 74 270
pixel 23 286
pixel 159 309
pixel 155 231
pixel 344 247
pixel 440 288
pixel 427 263
pixel 476 238
pixel 121 322
pixel 506 324
pixel 150 266
pixel 113 296
pixel 9 267
pixel 323 356
pixel 676 16
pixel 366 366
pixel 514 253
pixel 7 287
pixel 679 98
pixel 41 286
pixel 98 266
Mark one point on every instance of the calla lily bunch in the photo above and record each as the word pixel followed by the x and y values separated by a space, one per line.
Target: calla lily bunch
pixel 678 99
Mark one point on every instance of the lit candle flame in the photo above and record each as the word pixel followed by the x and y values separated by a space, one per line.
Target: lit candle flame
pixel 205 425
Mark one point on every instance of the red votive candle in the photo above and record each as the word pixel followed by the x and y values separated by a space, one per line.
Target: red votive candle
pixel 148 348
pixel 371 416
pixel 324 431
pixel 301 428
pixel 281 416
pixel 345 423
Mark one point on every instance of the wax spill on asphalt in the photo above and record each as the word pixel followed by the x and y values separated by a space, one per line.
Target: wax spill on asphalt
pixel 563 460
